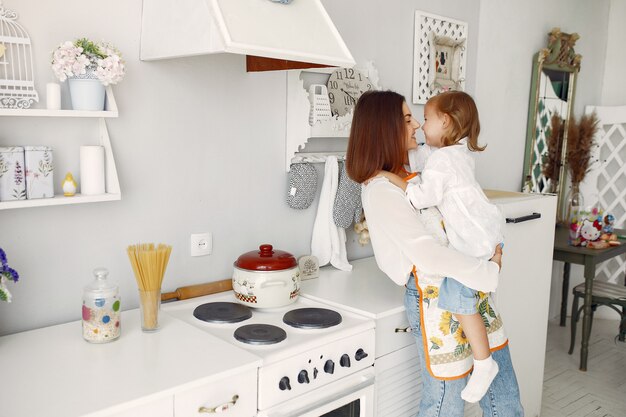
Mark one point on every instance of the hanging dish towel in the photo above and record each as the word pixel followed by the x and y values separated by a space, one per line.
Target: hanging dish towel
pixel 348 208
pixel 328 243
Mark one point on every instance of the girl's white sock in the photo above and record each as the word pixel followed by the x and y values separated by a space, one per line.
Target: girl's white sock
pixel 485 370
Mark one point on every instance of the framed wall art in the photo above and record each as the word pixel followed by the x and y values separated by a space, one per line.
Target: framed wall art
pixel 439 55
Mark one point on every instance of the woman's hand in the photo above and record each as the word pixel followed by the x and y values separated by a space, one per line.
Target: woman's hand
pixel 497 256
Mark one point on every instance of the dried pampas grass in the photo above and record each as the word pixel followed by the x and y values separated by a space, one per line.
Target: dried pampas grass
pixel 579 143
pixel 552 160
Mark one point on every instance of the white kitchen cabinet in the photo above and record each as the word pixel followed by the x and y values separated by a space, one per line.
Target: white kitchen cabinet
pixel 398 382
pixel 523 294
pixel 234 396
pixel 111 179
pixel 522 299
pixel 163 407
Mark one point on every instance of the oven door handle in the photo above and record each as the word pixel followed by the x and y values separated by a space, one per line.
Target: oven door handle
pixel 365 382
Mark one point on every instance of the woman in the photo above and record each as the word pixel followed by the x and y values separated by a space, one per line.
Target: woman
pixel 411 248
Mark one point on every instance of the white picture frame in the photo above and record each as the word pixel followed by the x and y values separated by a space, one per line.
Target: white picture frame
pixel 436 36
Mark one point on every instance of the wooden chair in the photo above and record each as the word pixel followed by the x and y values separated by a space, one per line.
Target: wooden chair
pixel 604 294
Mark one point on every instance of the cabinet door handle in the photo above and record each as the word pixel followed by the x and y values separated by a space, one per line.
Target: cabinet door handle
pixel 523 218
pixel 403 330
pixel 220 408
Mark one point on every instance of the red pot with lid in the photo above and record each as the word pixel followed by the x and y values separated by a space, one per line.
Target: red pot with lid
pixel 266 278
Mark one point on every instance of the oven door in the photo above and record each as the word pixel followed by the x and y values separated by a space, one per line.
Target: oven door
pixel 352 396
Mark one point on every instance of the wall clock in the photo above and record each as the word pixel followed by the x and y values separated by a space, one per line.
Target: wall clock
pixel 345 86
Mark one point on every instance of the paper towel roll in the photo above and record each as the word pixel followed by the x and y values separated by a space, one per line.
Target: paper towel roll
pixel 91 170
pixel 53 96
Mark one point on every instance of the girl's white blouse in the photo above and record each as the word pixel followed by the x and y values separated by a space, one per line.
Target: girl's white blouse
pixel 474 225
pixel 403 237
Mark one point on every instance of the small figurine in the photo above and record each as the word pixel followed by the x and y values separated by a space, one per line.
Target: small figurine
pixel 589 232
pixel 69 185
pixel 609 221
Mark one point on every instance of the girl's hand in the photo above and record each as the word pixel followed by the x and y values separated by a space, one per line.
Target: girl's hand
pixel 497 256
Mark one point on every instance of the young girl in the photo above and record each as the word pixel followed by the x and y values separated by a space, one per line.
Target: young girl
pixel 472 223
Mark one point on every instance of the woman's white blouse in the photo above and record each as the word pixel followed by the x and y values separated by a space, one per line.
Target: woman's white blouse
pixel 401 239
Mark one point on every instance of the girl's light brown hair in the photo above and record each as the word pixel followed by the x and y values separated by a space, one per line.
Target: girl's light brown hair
pixel 377 136
pixel 461 109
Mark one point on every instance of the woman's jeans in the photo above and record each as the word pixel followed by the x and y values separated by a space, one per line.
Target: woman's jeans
pixel 443 398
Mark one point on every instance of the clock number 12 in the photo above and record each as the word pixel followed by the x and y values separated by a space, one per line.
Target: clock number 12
pixel 348 73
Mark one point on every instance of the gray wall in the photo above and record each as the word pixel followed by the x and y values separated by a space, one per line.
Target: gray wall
pixel 511 32
pixel 614 82
pixel 199 143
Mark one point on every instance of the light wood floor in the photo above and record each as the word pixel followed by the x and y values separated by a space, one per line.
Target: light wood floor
pixel 601 391
pixel 568 392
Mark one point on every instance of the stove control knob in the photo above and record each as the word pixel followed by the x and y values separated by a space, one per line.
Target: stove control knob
pixel 344 360
pixel 329 367
pixel 360 354
pixel 303 377
pixel 284 384
pixel 315 372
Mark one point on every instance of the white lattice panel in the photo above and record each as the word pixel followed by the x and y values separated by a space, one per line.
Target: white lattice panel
pixel 609 177
pixel 425 23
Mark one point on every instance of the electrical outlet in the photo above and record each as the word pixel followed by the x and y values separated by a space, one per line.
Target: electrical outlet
pixel 201 244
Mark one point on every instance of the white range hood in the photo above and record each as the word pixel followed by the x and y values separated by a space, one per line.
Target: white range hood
pixel 298 31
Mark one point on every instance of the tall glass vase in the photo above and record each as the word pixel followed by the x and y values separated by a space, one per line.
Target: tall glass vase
pixel 574 204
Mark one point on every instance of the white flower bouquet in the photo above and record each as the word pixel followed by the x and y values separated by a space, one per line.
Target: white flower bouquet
pixel 86 59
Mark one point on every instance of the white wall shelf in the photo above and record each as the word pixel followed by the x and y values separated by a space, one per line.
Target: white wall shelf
pixel 298 131
pixel 113 192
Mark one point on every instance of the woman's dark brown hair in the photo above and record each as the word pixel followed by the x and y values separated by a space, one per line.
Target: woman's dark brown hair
pixel 377 137
pixel 461 109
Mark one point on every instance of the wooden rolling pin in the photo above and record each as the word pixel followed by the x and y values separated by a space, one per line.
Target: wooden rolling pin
pixel 198 290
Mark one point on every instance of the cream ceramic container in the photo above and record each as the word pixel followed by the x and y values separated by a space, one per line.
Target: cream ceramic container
pixel 266 278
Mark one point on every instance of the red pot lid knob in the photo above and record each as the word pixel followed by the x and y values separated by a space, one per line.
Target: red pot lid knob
pixel 266 259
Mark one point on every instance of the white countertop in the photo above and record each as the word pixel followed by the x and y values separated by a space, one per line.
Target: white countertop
pixel 54 372
pixel 365 290
pixel 505 197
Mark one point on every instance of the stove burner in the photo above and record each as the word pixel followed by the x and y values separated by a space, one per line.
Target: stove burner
pixel 222 312
pixel 260 334
pixel 312 318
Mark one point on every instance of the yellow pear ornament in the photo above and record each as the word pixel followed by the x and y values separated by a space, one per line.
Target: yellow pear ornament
pixel 69 185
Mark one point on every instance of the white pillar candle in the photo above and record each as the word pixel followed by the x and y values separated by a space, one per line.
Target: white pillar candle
pixel 92 170
pixel 53 96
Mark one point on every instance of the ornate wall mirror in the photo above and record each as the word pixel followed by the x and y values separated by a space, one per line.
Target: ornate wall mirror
pixel 552 89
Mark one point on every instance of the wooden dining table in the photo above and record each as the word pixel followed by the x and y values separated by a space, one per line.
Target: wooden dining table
pixel 589 258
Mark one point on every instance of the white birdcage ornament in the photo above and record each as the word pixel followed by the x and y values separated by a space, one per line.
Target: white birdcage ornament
pixel 17 81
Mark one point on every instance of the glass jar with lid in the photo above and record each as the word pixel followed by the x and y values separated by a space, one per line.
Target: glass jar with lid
pixel 101 309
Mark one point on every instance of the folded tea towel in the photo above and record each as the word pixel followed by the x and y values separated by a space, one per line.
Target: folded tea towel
pixel 302 185
pixel 328 243
pixel 348 208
